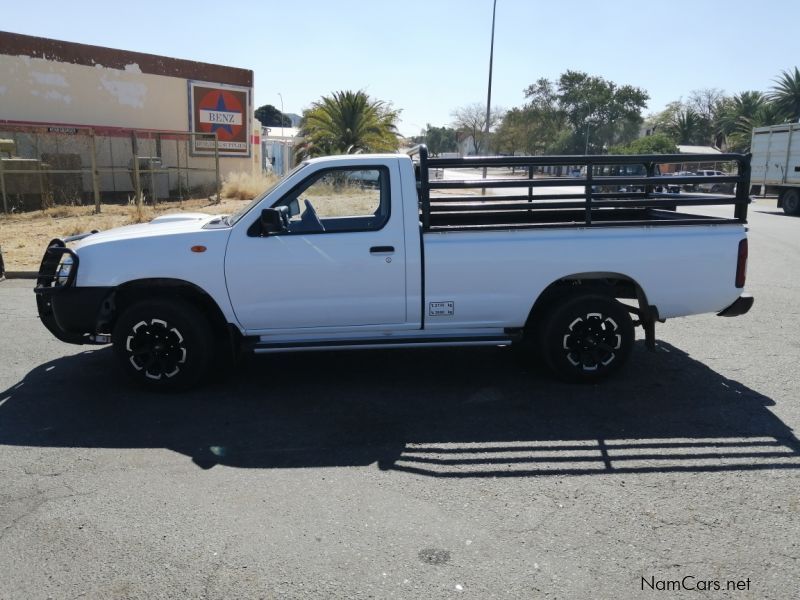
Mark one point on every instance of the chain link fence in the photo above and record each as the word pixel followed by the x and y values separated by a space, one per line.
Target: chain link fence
pixel 43 167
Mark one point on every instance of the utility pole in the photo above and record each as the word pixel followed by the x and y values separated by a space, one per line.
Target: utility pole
pixel 281 97
pixel 489 92
pixel 586 150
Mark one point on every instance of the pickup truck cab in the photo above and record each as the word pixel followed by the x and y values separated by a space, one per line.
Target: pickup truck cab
pixel 357 251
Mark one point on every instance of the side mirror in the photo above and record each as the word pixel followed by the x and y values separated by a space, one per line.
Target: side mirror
pixel 274 220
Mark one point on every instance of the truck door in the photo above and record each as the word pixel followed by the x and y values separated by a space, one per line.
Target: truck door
pixel 341 262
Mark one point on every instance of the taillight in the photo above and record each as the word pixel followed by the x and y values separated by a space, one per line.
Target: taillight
pixel 741 264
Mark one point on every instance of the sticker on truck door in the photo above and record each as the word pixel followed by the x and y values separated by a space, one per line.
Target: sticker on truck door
pixel 441 309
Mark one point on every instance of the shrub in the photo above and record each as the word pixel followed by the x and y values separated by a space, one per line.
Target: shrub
pixel 245 186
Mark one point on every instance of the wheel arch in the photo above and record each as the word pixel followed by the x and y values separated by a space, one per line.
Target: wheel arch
pixel 133 291
pixel 616 285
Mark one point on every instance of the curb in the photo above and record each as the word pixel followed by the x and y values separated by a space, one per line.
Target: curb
pixel 14 274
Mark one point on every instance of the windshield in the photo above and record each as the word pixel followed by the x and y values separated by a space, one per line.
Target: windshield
pixel 236 216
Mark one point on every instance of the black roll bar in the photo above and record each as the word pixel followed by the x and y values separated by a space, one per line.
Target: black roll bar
pixel 647 192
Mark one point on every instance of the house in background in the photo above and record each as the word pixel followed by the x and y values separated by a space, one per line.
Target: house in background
pixel 688 149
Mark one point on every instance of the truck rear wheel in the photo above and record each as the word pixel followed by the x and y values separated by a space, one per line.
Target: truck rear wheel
pixel 587 338
pixel 163 344
pixel 791 202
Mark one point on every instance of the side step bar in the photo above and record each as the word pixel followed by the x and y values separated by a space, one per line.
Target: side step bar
pixel 420 342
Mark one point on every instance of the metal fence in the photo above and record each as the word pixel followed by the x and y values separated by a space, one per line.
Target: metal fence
pixel 43 167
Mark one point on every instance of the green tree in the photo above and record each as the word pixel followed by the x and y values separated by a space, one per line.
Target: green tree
pixel 439 139
pixel 660 122
pixel 348 122
pixel 546 120
pixel 534 127
pixel 582 104
pixel 269 116
pixel 514 132
pixel 658 143
pixel 707 105
pixel 786 95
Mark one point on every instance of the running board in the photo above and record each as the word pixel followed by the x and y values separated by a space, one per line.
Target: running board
pixel 424 342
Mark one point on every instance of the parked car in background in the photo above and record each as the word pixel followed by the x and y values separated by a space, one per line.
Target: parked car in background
pixel 713 187
pixel 677 188
pixel 363 178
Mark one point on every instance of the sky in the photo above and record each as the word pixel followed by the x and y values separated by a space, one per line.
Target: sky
pixel 428 57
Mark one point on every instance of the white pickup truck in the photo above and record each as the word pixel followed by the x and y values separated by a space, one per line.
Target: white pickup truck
pixel 369 251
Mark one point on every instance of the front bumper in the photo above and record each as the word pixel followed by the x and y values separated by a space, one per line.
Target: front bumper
pixel 743 304
pixel 70 313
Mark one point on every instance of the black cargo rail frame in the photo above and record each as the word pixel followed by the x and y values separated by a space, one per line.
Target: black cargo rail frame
pixel 630 208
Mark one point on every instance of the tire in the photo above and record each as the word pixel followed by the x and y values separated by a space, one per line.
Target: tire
pixel 163 344
pixel 791 201
pixel 587 338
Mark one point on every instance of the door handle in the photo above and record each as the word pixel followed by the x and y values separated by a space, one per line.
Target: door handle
pixel 382 250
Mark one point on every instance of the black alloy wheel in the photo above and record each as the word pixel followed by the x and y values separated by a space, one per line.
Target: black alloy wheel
pixel 163 344
pixel 156 348
pixel 587 338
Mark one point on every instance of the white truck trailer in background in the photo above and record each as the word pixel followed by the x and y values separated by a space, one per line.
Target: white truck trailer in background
pixel 776 164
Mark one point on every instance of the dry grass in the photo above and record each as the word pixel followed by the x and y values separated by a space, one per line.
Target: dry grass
pixel 246 186
pixel 341 202
pixel 24 236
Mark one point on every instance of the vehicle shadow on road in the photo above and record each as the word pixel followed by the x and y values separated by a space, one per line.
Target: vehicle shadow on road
pixel 460 413
pixel 777 213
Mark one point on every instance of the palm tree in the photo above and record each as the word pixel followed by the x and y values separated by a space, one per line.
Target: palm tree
pixel 738 116
pixel 686 127
pixel 348 122
pixel 741 114
pixel 786 95
pixel 743 105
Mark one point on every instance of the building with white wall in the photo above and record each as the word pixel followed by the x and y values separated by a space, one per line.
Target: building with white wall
pixel 60 88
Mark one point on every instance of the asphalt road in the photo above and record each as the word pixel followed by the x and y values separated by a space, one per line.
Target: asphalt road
pixel 401 474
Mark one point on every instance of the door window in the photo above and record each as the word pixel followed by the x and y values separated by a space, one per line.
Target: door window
pixel 338 200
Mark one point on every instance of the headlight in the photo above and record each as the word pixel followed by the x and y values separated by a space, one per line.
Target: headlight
pixel 64 269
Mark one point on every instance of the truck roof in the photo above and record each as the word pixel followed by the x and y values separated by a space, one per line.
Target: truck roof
pixel 359 157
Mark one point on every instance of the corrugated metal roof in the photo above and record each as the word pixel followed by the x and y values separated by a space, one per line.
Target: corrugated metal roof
pixel 698 150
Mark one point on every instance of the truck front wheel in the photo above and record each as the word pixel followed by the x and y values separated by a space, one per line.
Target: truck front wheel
pixel 163 344
pixel 587 338
pixel 791 202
